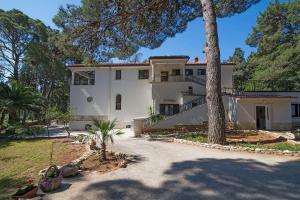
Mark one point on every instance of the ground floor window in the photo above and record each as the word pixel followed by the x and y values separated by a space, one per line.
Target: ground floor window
pixel 168 109
pixel 295 110
pixel 118 102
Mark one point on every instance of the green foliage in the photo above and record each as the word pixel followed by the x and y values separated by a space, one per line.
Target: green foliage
pixel 15 97
pixel 194 138
pixel 277 39
pixel 17 33
pixel 241 71
pixel 104 131
pixel 24 190
pixel 24 129
pixel 296 134
pixel 107 29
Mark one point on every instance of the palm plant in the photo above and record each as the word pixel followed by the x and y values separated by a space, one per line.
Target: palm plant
pixel 104 131
pixel 15 97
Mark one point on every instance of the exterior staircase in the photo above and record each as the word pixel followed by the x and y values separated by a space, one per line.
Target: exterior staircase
pixel 195 79
pixel 184 108
pixel 187 109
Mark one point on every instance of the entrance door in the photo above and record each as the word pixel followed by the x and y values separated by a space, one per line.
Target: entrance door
pixel 168 109
pixel 164 76
pixel 263 117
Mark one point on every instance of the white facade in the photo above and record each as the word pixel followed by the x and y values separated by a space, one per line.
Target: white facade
pixel 166 87
pixel 171 86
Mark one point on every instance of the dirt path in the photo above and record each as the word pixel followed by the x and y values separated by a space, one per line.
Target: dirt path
pixel 176 171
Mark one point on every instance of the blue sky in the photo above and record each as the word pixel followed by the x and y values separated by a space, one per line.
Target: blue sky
pixel 233 31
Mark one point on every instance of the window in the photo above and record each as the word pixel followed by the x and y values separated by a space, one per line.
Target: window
pixel 118 102
pixel 295 110
pixel 164 76
pixel 84 78
pixel 201 72
pixel 143 74
pixel 189 72
pixel 190 90
pixel 118 74
pixel 176 72
pixel 168 109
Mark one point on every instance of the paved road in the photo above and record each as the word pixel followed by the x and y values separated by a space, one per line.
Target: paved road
pixel 177 171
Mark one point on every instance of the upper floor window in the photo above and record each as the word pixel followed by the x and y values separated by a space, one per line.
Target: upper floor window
pixel 84 78
pixel 295 110
pixel 118 102
pixel 189 72
pixel 176 72
pixel 118 74
pixel 201 72
pixel 143 74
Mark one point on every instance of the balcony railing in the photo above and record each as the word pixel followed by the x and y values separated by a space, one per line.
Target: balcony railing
pixel 189 93
pixel 170 78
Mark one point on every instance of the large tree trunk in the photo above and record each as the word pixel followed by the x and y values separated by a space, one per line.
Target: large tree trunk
pixel 216 115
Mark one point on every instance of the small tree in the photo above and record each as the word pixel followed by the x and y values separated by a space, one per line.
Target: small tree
pixel 103 132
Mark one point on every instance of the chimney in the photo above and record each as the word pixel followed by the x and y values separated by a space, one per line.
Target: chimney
pixel 196 59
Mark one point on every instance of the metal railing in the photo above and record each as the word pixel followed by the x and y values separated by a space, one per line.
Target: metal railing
pixel 190 104
pixel 188 93
pixel 195 79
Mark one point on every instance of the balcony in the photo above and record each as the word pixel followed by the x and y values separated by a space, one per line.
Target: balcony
pixel 169 78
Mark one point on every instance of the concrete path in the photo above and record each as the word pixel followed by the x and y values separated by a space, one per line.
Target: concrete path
pixel 177 171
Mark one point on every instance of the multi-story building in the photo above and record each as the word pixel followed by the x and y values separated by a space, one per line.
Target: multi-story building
pixel 174 87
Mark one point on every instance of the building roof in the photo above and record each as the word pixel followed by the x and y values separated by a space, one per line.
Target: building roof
pixel 110 65
pixel 255 96
pixel 169 57
pixel 139 64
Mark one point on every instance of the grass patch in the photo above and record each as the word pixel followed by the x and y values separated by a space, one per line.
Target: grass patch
pixel 21 160
pixel 194 138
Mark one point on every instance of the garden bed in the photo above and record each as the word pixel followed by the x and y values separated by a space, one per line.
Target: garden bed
pixel 113 162
pixel 21 160
pixel 252 141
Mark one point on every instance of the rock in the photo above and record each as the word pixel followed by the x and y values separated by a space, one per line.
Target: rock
pixel 68 171
pixel 123 164
pixel 257 150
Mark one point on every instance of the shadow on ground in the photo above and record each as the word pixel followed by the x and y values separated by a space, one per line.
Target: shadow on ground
pixel 210 179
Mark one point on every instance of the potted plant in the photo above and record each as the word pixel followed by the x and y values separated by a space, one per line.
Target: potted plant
pixel 26 192
pixel 51 180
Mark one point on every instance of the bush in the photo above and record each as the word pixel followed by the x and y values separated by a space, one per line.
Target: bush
pixel 21 129
pixel 297 134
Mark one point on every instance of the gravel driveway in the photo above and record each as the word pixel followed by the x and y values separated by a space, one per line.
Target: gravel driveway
pixel 176 171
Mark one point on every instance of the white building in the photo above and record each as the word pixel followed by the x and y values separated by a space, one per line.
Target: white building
pixel 171 86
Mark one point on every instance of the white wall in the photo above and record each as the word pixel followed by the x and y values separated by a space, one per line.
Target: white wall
pixel 170 92
pixel 280 113
pixel 194 116
pixel 296 100
pixel 99 92
pixel 136 94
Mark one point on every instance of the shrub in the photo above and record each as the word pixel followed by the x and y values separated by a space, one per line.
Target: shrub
pixel 297 134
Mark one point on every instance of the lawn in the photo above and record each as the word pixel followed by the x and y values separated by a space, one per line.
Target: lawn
pixel 21 160
pixel 276 146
